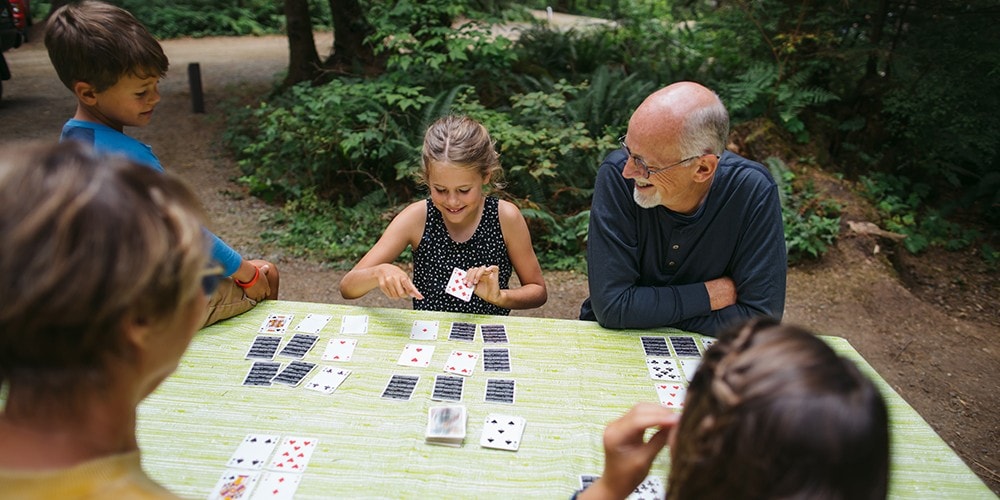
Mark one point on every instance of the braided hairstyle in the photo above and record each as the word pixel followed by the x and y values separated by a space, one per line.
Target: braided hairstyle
pixel 774 412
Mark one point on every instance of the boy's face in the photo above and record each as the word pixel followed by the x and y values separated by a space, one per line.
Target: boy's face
pixel 128 103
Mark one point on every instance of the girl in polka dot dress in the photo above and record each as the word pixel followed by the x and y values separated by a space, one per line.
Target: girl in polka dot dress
pixel 458 227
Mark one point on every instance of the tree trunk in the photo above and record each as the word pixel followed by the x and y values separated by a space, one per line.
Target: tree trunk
pixel 303 60
pixel 351 54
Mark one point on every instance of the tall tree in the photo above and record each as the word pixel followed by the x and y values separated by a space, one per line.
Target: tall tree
pixel 351 52
pixel 303 60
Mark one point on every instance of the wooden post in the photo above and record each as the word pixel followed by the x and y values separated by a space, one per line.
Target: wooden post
pixel 194 81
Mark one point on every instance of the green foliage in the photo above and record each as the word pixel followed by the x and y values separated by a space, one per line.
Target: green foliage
pixel 211 17
pixel 812 222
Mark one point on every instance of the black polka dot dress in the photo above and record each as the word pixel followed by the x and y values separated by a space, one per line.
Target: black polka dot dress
pixel 437 255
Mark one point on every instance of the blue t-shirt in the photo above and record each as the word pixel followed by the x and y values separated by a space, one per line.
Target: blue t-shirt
pixel 107 140
pixel 648 266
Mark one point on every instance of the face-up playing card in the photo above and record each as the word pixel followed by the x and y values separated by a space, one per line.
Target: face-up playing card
pixel 456 286
pixel 299 345
pixel 264 347
pixel 663 368
pixel 253 451
pixel 446 425
pixel 448 388
pixel 261 373
pixel 418 355
pixel 707 342
pixel 278 485
pixel 588 479
pixel 328 379
pixel 690 366
pixel 234 485
pixel 650 489
pixel 464 332
pixel 424 330
pixel 494 334
pixel 502 432
pixel 276 323
pixel 339 349
pixel 293 373
pixel 293 454
pixel 354 325
pixel 313 323
pixel 499 391
pixel 671 395
pixel 461 363
pixel 400 387
pixel 685 347
pixel 655 346
pixel 496 359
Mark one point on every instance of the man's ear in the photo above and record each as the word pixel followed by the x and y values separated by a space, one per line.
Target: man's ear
pixel 136 331
pixel 705 169
pixel 85 93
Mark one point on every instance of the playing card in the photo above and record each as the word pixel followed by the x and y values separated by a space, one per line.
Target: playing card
pixel 663 368
pixel 689 367
pixel 234 485
pixel 655 346
pixel 424 330
pixel 496 359
pixel 446 425
pixel 354 325
pixel 418 355
pixel 588 479
pixel 650 489
pixel 339 349
pixel 253 451
pixel 494 334
pixel 708 342
pixel 671 395
pixel 499 391
pixel 328 379
pixel 502 432
pixel 400 387
pixel 293 373
pixel 461 363
pixel 465 332
pixel 263 347
pixel 456 286
pixel 276 323
pixel 298 345
pixel 448 388
pixel 293 454
pixel 277 485
pixel 685 347
pixel 313 323
pixel 261 373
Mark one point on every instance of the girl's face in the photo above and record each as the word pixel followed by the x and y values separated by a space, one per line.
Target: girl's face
pixel 457 191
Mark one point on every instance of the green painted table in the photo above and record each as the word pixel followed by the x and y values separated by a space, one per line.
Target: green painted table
pixel 374 447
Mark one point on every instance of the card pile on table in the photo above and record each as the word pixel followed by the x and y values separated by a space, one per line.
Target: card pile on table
pixel 446 425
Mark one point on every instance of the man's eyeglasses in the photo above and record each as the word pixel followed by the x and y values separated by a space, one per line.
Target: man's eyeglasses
pixel 210 279
pixel 646 169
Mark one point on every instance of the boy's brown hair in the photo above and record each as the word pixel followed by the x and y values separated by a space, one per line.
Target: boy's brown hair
pixel 98 43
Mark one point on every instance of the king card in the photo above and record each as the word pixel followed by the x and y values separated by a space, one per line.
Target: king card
pixel 456 286
pixel 446 425
pixel 502 432
pixel 276 323
pixel 234 485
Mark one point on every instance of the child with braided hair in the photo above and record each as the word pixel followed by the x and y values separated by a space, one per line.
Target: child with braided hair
pixel 772 412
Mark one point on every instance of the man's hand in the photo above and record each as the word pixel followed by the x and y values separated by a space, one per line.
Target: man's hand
pixel 721 292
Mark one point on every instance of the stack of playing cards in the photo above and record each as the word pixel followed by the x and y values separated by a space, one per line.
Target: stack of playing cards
pixel 446 425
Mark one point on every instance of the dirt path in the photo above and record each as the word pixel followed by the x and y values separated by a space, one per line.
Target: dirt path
pixel 939 354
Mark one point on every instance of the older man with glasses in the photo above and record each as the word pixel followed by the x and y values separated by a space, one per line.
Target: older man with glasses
pixel 683 233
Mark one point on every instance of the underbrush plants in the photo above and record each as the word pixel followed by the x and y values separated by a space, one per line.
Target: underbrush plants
pixel 812 221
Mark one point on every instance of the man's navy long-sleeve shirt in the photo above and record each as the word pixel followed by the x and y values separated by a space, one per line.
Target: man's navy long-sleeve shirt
pixel 648 266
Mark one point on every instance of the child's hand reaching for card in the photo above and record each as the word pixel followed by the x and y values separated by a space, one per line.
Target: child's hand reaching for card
pixel 395 283
pixel 486 281
pixel 627 458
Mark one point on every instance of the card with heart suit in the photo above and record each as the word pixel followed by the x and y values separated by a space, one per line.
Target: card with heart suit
pixel 456 286
pixel 263 347
pixel 502 432
pixel 276 323
pixel 339 349
pixel 424 330
pixel 418 355
pixel 234 485
pixel 650 489
pixel 663 368
pixel 671 395
pixel 461 363
pixel 277 485
pixel 313 323
pixel 354 325
pixel 253 451
pixel 293 454
pixel 328 379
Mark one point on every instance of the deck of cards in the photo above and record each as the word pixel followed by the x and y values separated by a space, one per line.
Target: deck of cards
pixel 446 425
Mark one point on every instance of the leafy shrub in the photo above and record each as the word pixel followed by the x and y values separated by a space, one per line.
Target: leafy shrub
pixel 812 222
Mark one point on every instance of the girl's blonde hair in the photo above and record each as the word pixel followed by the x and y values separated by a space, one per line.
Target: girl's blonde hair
pixel 461 141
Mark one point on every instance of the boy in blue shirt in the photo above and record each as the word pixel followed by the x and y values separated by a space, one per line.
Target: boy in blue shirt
pixel 113 65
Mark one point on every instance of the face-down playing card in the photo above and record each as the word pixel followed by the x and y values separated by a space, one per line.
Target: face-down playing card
pixel 293 373
pixel 299 345
pixel 263 347
pixel 261 373
pixel 655 346
pixel 496 359
pixel 253 451
pixel 502 432
pixel 685 347
pixel 494 334
pixel 448 388
pixel 464 332
pixel 400 387
pixel 499 391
